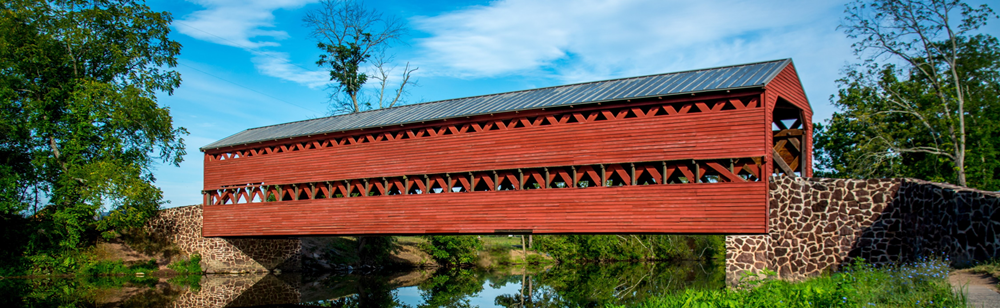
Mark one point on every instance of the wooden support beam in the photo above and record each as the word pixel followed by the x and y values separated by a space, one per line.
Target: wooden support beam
pixel 520 179
pixel 604 177
pixel 633 174
pixel 575 179
pixel 780 163
pixel 665 174
pixel 697 172
pixel 546 186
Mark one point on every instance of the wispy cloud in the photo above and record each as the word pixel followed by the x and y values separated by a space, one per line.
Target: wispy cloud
pixel 604 37
pixel 249 25
pixel 583 40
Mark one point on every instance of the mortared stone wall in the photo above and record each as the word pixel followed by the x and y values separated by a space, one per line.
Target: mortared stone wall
pixel 817 225
pixel 182 226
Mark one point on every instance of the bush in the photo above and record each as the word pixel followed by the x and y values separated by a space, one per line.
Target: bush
pixel 376 250
pixel 189 266
pixel 454 249
pixel 631 247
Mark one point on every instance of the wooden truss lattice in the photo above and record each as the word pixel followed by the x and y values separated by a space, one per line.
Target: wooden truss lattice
pixel 556 177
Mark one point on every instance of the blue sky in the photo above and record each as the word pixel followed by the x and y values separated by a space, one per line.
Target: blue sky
pixel 251 63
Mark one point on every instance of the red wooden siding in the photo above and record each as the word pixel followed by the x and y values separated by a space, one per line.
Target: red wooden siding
pixel 721 208
pixel 346 183
pixel 705 135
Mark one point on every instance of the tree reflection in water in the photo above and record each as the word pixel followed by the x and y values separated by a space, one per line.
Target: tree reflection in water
pixel 578 285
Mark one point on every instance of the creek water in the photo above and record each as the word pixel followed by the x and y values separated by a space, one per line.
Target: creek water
pixel 574 285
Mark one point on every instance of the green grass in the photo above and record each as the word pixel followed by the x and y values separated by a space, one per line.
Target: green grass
pixel 411 240
pixel 991 268
pixel 922 284
pixel 501 241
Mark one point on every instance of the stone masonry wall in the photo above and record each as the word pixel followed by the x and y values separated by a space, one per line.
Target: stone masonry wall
pixel 817 225
pixel 182 226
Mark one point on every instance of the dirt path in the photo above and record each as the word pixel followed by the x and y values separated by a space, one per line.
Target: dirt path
pixel 980 289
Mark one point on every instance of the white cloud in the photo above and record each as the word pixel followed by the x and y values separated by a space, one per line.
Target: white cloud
pixel 273 63
pixel 249 25
pixel 585 40
pixel 604 36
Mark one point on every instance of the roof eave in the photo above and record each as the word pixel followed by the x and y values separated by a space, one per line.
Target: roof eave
pixel 756 86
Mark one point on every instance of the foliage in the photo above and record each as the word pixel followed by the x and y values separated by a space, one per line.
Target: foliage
pixel 454 249
pixel 631 247
pixel 366 291
pixel 922 284
pixel 188 266
pixel 924 102
pixel 351 37
pixel 376 250
pixel 598 285
pixel 82 128
pixel 451 288
pixel 79 291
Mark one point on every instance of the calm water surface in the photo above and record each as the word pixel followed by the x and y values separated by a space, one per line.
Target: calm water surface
pixel 588 285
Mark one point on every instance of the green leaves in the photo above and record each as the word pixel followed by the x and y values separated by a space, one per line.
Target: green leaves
pixel 923 102
pixel 345 61
pixel 78 94
pixel 454 249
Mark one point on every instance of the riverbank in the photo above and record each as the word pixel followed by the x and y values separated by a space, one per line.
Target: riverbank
pixel 921 284
pixel 614 284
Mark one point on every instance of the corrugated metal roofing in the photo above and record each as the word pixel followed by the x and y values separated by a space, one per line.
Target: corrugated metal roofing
pixel 713 79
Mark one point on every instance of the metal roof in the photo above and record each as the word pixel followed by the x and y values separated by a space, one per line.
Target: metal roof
pixel 749 75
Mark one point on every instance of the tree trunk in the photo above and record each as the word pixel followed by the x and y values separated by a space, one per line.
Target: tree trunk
pixel 524 250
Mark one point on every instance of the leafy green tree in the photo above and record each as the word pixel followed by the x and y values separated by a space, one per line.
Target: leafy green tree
pixel 82 128
pixel 924 101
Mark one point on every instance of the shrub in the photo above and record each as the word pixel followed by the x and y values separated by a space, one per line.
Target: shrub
pixel 376 249
pixel 454 249
pixel 189 266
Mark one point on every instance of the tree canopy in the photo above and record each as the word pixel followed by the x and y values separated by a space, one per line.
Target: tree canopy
pixel 82 127
pixel 924 101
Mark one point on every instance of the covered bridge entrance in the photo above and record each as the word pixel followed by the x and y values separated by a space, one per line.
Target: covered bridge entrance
pixel 684 152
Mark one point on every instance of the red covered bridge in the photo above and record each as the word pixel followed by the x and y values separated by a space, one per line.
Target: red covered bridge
pixel 684 152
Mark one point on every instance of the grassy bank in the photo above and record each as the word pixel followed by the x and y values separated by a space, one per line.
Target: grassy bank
pixel 991 268
pixel 922 284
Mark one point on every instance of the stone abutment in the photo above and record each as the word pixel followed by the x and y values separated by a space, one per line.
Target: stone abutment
pixel 818 225
pixel 182 227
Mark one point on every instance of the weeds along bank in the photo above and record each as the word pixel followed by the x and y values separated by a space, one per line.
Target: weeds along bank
pixel 919 284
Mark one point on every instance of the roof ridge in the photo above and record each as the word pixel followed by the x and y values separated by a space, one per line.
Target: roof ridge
pixel 750 75
pixel 521 91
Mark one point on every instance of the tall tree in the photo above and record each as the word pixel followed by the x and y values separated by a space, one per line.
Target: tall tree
pixel 351 36
pixel 82 128
pixel 907 109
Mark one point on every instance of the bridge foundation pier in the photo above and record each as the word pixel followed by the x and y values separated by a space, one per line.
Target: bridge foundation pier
pixel 182 227
pixel 818 225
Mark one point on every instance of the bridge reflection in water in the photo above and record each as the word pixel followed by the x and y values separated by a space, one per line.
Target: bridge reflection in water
pixel 588 285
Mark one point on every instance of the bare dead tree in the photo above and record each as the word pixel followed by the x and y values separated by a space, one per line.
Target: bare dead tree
pixel 353 36
pixel 383 72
